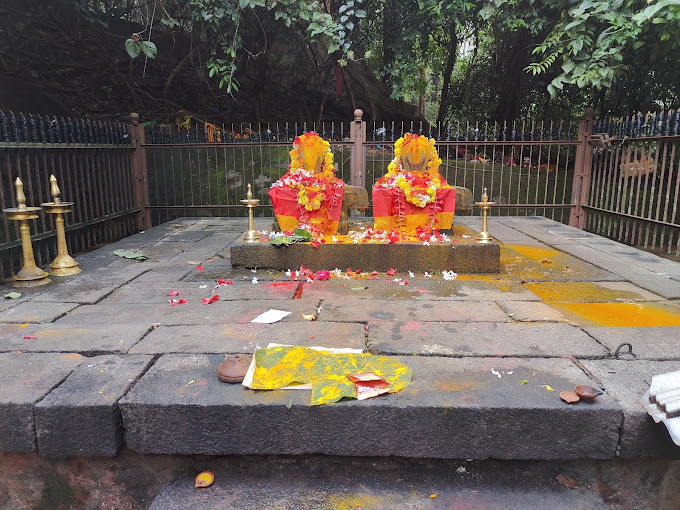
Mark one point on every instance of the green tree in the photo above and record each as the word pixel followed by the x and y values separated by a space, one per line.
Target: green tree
pixel 592 41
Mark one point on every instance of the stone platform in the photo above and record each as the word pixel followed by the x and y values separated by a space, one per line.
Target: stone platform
pixel 462 255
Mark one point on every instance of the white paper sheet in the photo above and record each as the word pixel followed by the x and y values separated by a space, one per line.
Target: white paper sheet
pixel 270 316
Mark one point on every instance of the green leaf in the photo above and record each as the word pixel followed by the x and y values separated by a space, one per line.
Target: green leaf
pixel 524 381
pixel 289 403
pixel 360 13
pixel 149 49
pixel 13 295
pixel 128 254
pixel 133 48
pixel 303 233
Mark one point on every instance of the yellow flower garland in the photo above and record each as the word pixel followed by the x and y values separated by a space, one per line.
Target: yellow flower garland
pixel 395 168
pixel 311 141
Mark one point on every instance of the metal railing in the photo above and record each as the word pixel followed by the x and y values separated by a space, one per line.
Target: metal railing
pixel 620 182
pixel 91 161
pixel 634 190
pixel 204 169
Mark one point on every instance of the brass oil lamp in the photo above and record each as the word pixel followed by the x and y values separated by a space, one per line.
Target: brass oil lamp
pixel 484 237
pixel 251 234
pixel 63 264
pixel 30 275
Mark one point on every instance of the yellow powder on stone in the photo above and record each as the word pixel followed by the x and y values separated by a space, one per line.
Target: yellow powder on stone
pixel 351 502
pixel 620 315
pixel 580 292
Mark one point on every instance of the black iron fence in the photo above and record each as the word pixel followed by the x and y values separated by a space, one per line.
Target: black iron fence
pixel 618 178
pixel 92 163
pixel 633 190
pixel 204 169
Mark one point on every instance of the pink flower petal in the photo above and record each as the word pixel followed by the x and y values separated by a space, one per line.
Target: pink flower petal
pixel 391 272
pixel 224 282
pixel 174 293
pixel 199 268
pixel 207 301
pixel 30 337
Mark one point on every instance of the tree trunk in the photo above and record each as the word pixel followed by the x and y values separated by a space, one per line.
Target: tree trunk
pixel 421 99
pixel 450 62
pixel 513 73
pixel 389 30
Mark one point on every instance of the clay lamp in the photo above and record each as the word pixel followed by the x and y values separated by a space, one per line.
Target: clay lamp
pixel 587 393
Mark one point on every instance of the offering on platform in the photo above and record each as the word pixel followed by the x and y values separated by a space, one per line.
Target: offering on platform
pixel 413 195
pixel 309 195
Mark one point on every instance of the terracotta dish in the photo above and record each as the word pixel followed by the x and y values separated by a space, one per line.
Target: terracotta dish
pixel 587 392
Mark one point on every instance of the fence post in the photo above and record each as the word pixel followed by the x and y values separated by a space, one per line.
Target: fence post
pixel 357 133
pixel 582 166
pixel 140 174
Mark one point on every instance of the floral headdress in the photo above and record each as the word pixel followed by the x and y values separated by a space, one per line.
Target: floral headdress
pixel 420 189
pixel 414 144
pixel 311 145
pixel 302 174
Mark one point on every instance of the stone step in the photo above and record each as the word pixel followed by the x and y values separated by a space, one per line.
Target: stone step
pixel 455 407
pixel 477 408
pixel 330 483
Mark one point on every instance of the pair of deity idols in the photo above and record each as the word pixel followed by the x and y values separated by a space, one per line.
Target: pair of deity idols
pixel 412 195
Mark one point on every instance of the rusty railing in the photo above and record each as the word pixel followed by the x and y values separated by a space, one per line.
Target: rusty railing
pixel 93 165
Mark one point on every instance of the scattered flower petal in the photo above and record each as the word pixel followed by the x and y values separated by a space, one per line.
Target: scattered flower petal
pixel 30 337
pixel 207 301
pixel 224 282
pixel 405 282
pixel 323 275
pixel 315 244
pixel 254 280
pixel 175 302
pixel 427 275
pixel 311 317
pixel 174 293
pixel 411 274
pixel 426 243
pixel 496 373
pixel 200 268
pixel 549 388
pixel 449 275
pixel 391 272
pixel 203 287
